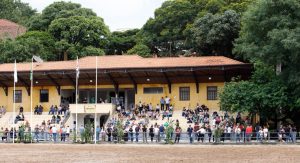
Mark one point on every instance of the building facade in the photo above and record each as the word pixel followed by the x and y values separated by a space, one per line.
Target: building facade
pixel 129 78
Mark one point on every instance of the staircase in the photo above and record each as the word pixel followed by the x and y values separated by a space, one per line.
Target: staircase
pixel 7 120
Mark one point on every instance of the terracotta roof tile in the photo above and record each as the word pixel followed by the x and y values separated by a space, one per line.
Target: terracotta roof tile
pixel 9 29
pixel 124 61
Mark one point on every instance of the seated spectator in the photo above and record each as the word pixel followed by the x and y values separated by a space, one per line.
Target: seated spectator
pixel 40 110
pixel 58 118
pixel 183 112
pixel 157 108
pixel 55 109
pixel 5 133
pixel 21 109
pixel 36 109
pixel 171 108
pixel 59 110
pixel 51 110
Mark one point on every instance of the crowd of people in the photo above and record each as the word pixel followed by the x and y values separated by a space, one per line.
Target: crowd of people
pixel 139 124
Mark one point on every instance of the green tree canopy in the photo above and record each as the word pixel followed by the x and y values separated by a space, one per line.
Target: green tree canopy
pixel 121 42
pixel 271 33
pixel 170 29
pixel 25 46
pixel 214 34
pixel 140 49
pixel 16 11
pixel 78 32
pixel 264 94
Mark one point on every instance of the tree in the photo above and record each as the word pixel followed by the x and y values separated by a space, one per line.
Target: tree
pixel 51 12
pixel 16 11
pixel 76 32
pixel 170 29
pixel 121 42
pixel 141 50
pixel 214 34
pixel 168 25
pixel 271 33
pixel 264 94
pixel 27 45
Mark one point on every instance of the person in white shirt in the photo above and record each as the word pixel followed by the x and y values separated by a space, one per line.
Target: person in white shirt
pixel 167 101
pixel 265 133
pixel 237 133
pixel 54 132
pixel 68 133
pixel 156 133
pixel 201 133
pixel 157 108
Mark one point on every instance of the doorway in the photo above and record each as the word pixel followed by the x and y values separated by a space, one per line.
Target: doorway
pixel 88 119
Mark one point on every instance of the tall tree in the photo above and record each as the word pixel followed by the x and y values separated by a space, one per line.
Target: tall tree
pixel 16 11
pixel 24 47
pixel 121 42
pixel 264 94
pixel 78 32
pixel 214 34
pixel 271 33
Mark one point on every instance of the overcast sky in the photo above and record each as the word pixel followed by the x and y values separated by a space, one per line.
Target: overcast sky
pixel 117 14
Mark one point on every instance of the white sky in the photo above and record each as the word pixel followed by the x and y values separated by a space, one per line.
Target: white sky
pixel 117 14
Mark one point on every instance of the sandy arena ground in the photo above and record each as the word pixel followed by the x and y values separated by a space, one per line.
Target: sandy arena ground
pixel 148 153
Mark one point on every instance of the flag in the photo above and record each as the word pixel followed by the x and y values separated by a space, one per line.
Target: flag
pixel 77 69
pixel 15 73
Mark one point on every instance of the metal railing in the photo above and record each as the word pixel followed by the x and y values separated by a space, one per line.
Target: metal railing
pixel 142 137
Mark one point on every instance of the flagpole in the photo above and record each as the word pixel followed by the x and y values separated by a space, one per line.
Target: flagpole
pixel 96 87
pixel 76 100
pixel 14 107
pixel 31 93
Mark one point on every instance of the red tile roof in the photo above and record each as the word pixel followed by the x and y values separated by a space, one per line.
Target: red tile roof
pixel 9 29
pixel 124 61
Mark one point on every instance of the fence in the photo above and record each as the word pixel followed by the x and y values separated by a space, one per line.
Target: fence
pixel 184 138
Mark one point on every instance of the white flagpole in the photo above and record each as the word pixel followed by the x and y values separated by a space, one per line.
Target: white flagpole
pixel 31 93
pixel 96 87
pixel 76 100
pixel 14 107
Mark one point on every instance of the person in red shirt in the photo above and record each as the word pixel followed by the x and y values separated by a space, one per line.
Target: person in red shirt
pixel 248 133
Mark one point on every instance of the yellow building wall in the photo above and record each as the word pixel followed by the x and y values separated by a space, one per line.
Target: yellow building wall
pixel 3 98
pixel 195 97
pixel 54 98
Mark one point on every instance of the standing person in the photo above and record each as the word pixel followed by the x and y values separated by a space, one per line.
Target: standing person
pixel 162 103
pixel 294 134
pixel 201 134
pixel 63 133
pixel 237 133
pixel 68 133
pixel 190 133
pixel 209 133
pixel 109 133
pixel 249 132
pixel 196 129
pixel 156 133
pixel 137 132
pixel 177 134
pixel 161 132
pixel 98 130
pixel 167 101
pixel 36 133
pixel 144 129
pixel 151 133
pixel 265 133
pixel 257 128
pixel 131 133
pixel 54 132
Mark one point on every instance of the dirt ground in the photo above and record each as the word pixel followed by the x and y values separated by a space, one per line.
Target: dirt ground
pixel 148 153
